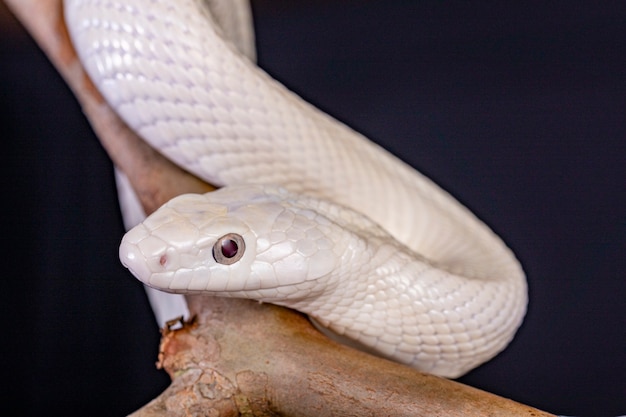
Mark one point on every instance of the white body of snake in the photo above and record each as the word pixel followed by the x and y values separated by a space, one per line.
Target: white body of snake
pixel 312 215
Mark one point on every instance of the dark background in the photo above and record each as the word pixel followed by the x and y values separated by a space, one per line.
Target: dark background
pixel 517 110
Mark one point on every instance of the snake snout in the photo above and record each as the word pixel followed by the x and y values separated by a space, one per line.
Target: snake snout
pixel 144 254
pixel 132 258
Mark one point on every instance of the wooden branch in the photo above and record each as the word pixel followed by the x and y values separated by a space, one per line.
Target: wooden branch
pixel 244 357
pixel 240 357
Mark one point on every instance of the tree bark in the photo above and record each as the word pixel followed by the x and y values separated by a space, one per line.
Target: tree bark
pixel 239 357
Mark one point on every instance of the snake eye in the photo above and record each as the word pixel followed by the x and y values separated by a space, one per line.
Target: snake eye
pixel 229 249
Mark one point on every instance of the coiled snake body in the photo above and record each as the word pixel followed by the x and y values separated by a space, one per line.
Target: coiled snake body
pixel 312 215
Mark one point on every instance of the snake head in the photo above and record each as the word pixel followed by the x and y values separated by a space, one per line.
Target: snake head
pixel 247 241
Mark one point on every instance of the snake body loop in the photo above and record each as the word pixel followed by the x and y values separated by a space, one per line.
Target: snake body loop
pixel 331 224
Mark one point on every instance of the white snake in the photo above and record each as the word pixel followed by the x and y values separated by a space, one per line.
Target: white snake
pixel 416 277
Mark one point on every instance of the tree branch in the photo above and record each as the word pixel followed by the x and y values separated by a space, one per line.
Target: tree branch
pixel 240 357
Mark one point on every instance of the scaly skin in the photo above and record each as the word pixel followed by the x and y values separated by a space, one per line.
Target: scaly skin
pixel 164 67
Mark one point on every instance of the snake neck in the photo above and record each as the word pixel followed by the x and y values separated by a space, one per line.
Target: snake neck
pixel 368 261
pixel 386 300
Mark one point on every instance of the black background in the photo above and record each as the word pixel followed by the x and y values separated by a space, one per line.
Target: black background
pixel 516 110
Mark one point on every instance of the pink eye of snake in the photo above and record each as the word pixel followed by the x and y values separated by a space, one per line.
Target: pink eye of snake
pixel 229 249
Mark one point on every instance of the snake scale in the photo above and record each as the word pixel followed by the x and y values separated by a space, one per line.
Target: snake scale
pixel 311 215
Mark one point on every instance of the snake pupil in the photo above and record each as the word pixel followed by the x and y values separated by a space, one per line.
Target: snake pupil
pixel 229 248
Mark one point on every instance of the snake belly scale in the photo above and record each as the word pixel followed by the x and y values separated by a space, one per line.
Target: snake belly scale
pixel 312 215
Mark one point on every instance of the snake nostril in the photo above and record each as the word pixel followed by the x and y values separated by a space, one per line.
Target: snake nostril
pixel 163 260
